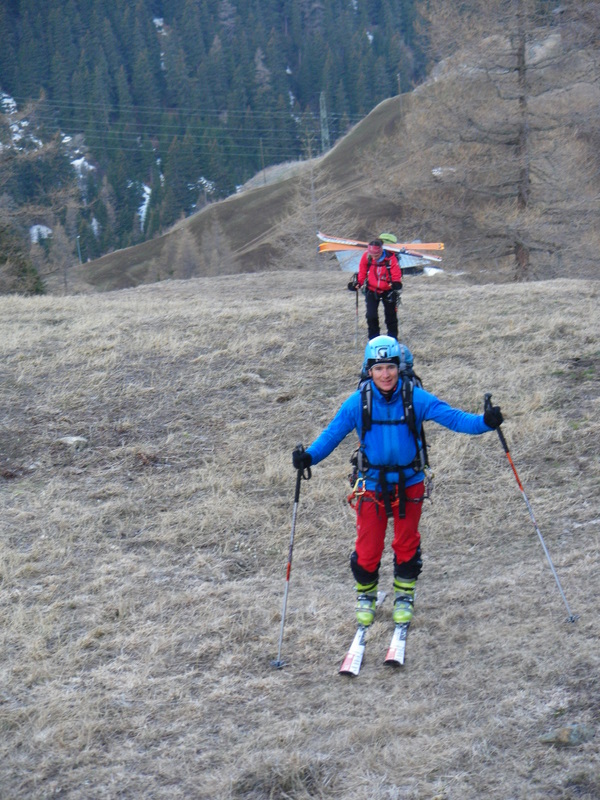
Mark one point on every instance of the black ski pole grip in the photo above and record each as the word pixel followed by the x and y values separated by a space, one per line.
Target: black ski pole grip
pixel 487 403
pixel 301 473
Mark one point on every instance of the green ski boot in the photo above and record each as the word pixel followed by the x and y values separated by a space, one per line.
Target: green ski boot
pixel 366 601
pixel 404 600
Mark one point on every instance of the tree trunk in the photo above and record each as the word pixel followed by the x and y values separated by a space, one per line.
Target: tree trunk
pixel 521 250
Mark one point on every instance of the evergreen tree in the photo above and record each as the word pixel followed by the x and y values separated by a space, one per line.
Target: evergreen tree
pixel 124 197
pixel 143 87
pixel 177 80
pixel 108 43
pixel 76 117
pixel 124 102
pixel 31 53
pixel 145 40
pixel 61 85
pixel 8 51
pixel 190 28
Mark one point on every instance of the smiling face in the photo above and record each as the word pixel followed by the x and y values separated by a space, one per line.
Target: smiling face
pixel 385 376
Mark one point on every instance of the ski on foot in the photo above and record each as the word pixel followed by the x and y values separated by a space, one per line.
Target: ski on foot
pixel 353 660
pixel 397 648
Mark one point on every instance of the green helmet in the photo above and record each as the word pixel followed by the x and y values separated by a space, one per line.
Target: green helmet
pixel 388 238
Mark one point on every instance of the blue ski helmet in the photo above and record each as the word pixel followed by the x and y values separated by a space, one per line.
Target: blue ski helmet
pixel 386 350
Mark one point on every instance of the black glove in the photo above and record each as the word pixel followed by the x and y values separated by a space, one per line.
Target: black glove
pixel 353 284
pixel 492 417
pixel 301 459
pixel 397 286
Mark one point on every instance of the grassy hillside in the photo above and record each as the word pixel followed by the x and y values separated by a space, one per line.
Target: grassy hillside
pixel 443 163
pixel 350 191
pixel 268 227
pixel 142 567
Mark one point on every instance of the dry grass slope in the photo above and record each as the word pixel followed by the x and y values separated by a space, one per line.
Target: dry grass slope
pixel 142 575
pixel 266 227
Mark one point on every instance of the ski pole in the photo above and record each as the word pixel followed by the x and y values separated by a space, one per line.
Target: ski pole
pixel 300 474
pixel 487 403
pixel 356 328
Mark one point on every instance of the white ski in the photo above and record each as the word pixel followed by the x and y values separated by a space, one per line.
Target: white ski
pixel 396 247
pixel 353 660
pixel 397 648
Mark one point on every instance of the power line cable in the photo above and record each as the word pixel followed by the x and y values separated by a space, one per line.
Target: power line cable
pixel 189 112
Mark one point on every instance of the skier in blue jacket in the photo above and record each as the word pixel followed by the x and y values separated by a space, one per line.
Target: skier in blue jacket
pixel 391 471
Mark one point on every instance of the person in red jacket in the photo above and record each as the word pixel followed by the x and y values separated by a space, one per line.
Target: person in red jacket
pixel 381 276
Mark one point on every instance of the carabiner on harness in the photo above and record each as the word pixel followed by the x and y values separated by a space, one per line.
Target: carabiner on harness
pixel 358 483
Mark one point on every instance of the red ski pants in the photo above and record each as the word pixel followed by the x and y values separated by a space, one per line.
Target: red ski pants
pixel 371 524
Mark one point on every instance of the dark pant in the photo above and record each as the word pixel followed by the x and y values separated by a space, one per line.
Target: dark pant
pixel 388 299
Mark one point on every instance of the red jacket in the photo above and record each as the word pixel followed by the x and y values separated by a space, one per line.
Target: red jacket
pixel 380 277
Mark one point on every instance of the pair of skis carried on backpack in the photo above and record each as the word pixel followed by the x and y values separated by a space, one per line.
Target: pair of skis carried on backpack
pixel 395 654
pixel 331 244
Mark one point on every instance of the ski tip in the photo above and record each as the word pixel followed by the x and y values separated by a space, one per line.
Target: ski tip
pixel 350 666
pixel 352 662
pixel 353 658
pixel 393 661
pixel 397 649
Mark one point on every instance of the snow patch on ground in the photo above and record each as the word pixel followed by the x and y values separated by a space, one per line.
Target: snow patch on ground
pixel 143 209
pixel 8 104
pixel 39 232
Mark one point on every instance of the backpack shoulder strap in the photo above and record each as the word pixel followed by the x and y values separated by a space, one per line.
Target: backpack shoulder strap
pixel 366 402
pixel 407 402
pixel 369 262
pixel 408 384
pixel 389 269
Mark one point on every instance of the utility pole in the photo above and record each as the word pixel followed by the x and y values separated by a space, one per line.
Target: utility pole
pixel 262 162
pixel 313 198
pixel 325 143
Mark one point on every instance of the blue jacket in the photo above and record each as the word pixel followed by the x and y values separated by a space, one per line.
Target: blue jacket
pixel 390 441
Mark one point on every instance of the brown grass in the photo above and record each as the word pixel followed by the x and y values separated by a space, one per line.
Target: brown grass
pixel 142 575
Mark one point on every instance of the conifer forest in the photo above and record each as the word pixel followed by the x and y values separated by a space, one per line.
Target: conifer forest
pixel 166 105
